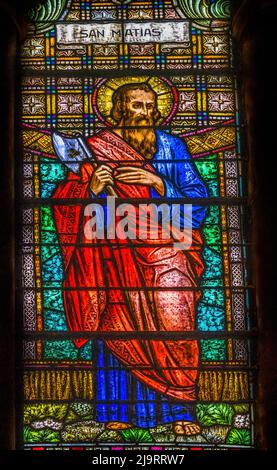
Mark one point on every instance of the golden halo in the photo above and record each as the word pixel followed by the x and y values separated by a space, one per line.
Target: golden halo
pixel 167 98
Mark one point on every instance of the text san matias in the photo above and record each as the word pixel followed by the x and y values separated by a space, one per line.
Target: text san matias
pixel 130 32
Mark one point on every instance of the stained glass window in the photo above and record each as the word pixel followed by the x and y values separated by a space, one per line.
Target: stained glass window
pixel 130 338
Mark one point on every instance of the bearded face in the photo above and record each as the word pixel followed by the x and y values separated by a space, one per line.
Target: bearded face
pixel 137 121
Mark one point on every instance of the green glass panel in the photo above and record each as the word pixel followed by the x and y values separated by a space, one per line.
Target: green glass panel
pixel 213 350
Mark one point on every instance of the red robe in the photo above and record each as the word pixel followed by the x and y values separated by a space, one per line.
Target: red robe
pixel 168 366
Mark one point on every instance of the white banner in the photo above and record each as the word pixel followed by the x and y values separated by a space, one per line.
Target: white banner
pixel 130 32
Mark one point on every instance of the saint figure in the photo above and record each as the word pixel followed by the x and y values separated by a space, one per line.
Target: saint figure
pixel 123 285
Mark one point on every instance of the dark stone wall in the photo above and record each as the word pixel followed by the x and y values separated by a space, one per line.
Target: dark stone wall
pixel 7 265
pixel 12 32
pixel 255 30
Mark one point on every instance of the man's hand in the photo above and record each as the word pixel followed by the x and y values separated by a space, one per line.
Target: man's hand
pixel 102 177
pixel 134 175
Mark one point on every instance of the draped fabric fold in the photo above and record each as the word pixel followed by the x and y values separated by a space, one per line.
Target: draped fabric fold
pixel 124 286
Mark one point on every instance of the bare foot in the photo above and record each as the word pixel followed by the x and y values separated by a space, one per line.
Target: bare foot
pixel 186 428
pixel 117 426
